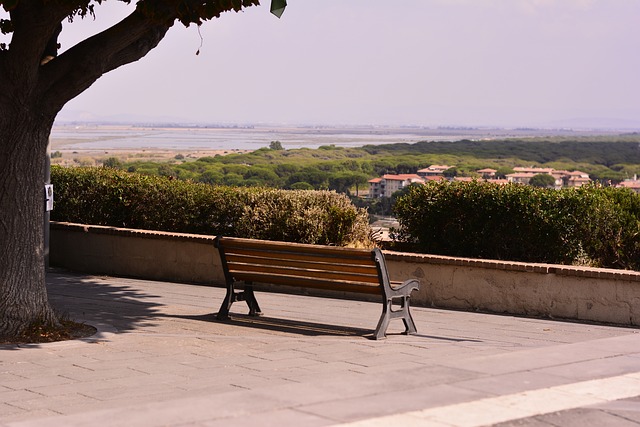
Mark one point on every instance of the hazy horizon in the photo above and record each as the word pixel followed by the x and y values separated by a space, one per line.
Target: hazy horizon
pixel 477 63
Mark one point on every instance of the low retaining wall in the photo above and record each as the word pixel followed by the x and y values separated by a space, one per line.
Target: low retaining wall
pixel 547 290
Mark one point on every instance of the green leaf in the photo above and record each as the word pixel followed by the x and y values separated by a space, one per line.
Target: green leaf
pixel 278 6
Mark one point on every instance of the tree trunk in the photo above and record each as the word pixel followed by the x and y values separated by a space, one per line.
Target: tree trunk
pixel 23 294
pixel 32 93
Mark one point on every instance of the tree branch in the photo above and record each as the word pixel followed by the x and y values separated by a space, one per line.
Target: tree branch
pixel 79 67
pixel 75 70
pixel 34 23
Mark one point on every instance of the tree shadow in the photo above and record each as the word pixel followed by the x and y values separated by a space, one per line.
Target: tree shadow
pixel 98 301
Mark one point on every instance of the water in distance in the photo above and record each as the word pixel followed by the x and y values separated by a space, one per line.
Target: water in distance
pixel 111 137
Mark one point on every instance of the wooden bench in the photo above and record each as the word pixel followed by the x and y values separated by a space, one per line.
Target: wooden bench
pixel 312 266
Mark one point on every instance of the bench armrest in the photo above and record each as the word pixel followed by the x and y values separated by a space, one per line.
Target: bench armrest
pixel 404 288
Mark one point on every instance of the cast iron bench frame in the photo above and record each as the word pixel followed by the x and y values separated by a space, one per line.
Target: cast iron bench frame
pixel 312 266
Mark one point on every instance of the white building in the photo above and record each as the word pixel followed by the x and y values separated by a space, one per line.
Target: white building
pixel 433 170
pixel 389 184
pixel 632 184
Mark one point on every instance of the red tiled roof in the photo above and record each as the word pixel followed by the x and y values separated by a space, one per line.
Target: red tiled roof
pixel 435 168
pixel 401 177
pixel 521 175
pixel 533 170
pixel 629 184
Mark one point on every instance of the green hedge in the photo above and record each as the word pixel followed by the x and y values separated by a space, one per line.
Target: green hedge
pixel 588 225
pixel 103 196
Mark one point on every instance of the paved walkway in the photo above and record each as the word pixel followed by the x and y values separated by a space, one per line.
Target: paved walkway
pixel 160 359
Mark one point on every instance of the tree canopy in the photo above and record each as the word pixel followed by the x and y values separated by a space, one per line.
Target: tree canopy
pixel 542 180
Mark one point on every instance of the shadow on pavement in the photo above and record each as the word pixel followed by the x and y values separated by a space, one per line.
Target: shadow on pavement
pixel 93 299
pixel 283 325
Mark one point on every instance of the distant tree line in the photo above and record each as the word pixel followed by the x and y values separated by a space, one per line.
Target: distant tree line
pixel 347 170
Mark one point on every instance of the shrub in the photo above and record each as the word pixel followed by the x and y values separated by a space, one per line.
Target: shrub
pixel 615 230
pixel 523 223
pixel 112 162
pixel 116 198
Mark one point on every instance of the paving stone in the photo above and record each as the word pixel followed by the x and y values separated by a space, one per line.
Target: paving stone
pixel 513 382
pixel 339 356
pixel 526 422
pixel 9 419
pixel 313 371
pixel 599 368
pixel 586 417
pixel 35 383
pixel 166 412
pixel 98 388
pixel 278 418
pixel 238 381
pixel 57 403
pixel 529 359
pixel 378 403
pixel 145 391
pixel 280 365
pixel 382 369
pixel 626 408
pixel 283 354
pixel 8 409
pixel 8 376
pixel 296 394
pixel 108 373
pixel 17 396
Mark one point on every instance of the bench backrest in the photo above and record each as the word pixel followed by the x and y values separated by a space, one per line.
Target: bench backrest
pixel 308 266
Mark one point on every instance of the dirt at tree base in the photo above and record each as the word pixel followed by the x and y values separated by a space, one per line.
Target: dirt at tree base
pixel 38 334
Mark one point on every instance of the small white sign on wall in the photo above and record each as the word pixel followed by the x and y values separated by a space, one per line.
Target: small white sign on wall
pixel 48 197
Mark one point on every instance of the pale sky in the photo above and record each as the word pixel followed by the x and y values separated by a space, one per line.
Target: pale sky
pixel 401 62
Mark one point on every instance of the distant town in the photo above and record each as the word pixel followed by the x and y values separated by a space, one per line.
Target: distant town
pixel 388 184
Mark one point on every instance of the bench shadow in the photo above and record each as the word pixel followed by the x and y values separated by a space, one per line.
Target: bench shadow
pixel 303 327
pixel 283 325
pixel 433 337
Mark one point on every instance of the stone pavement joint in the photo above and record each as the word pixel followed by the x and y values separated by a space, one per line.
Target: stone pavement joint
pixel 160 359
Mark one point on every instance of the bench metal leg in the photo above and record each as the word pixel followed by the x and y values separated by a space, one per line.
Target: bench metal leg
pixel 252 302
pixel 388 313
pixel 383 324
pixel 233 296
pixel 409 325
pixel 223 313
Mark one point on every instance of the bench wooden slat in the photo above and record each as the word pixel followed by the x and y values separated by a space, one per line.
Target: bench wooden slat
pixel 306 282
pixel 369 269
pixel 301 256
pixel 298 248
pixel 304 272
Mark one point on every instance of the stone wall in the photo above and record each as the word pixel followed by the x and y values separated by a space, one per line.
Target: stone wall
pixel 546 290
